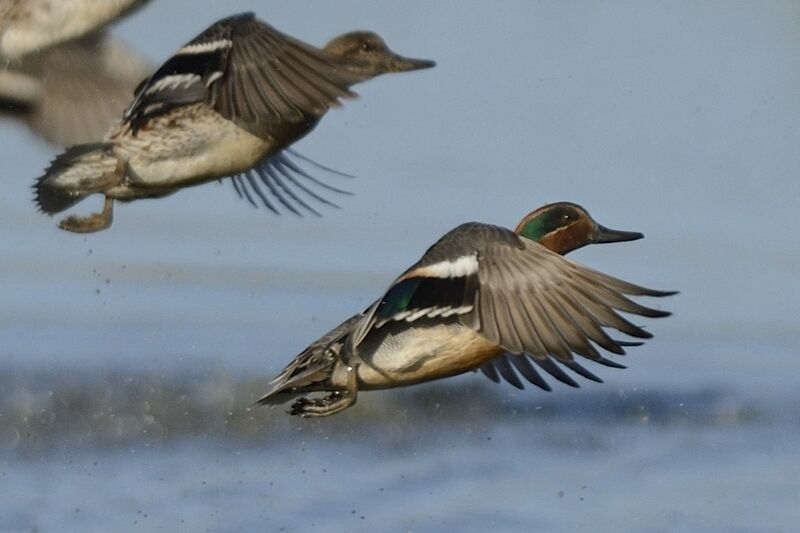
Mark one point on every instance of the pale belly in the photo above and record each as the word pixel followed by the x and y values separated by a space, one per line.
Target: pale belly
pixel 408 356
pixel 194 148
pixel 36 25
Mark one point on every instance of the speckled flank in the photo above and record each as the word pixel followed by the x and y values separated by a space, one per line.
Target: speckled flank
pixel 190 146
pixel 224 105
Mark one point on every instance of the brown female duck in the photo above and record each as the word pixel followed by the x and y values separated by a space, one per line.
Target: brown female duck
pixel 229 103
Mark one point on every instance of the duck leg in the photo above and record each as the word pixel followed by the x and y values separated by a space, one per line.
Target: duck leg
pixel 102 220
pixel 92 223
pixel 331 404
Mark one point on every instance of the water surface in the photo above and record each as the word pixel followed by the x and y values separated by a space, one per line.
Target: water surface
pixel 130 358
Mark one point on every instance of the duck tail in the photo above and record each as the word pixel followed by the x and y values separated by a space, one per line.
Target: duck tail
pixel 78 172
pixel 311 370
pixel 278 393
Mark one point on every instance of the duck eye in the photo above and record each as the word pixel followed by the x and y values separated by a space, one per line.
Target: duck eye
pixel 365 47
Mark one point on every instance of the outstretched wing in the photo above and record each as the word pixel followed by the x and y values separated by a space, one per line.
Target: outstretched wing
pixel 537 304
pixel 250 73
pixel 83 85
pixel 280 181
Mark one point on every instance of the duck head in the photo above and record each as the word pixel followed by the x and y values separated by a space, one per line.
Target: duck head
pixel 563 227
pixel 366 54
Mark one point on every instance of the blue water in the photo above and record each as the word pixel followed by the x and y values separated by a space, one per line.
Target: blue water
pixel 129 359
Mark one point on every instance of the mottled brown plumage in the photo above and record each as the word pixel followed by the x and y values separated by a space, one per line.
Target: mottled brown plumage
pixel 227 104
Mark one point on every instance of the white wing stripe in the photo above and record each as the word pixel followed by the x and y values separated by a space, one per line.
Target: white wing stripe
pixel 463 266
pixel 456 311
pixel 430 312
pixel 214 77
pixel 172 82
pixel 204 48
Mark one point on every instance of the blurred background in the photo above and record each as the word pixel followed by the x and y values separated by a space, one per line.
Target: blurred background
pixel 130 359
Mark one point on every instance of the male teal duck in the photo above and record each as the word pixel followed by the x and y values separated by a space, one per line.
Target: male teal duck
pixel 227 104
pixel 482 297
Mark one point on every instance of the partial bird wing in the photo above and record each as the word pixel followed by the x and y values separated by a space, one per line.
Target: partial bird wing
pixel 519 295
pixel 85 86
pixel 31 26
pixel 261 79
pixel 537 304
pixel 18 89
pixel 281 182
pixel 535 301
pixel 442 284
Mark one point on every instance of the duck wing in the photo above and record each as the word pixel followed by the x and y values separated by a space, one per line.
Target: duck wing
pixel 83 86
pixel 534 303
pixel 279 182
pixel 442 285
pixel 31 26
pixel 265 81
pixel 542 307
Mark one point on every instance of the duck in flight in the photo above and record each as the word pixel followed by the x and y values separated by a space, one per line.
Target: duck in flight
pixel 61 73
pixel 30 26
pixel 227 104
pixel 73 92
pixel 482 298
